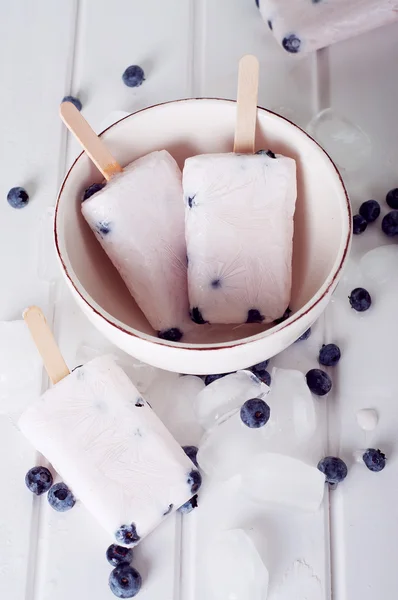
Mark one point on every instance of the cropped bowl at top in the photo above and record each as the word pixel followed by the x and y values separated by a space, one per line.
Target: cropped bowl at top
pixel 322 235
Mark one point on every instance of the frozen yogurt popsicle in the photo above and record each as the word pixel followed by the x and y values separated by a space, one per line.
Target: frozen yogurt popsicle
pixel 239 233
pixel 109 446
pixel 138 218
pixel 302 26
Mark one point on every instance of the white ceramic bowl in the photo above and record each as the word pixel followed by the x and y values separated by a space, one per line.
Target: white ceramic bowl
pixel 185 128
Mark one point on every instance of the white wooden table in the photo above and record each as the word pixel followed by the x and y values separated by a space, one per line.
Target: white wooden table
pixel 190 48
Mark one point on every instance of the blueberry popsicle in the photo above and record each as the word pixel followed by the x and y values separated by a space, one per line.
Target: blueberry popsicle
pixel 303 26
pixel 239 227
pixel 110 448
pixel 138 218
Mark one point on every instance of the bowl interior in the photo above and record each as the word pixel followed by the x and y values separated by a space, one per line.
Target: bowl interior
pixel 186 128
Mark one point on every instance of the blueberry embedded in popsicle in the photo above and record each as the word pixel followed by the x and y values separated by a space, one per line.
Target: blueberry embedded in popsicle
pixel 189 506
pixel 267 152
pixel 216 283
pixel 291 43
pixel 61 498
pixel 191 452
pixel 168 511
pixel 194 480
pixel 103 228
pixel 140 402
pixel 191 201
pixel 254 316
pixel 285 316
pixel 125 581
pixel 127 534
pixel 116 555
pixel 196 316
pixel 172 335
pixel 38 480
pixel 92 189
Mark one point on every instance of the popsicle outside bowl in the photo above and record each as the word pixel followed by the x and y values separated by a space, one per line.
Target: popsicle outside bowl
pixel 201 126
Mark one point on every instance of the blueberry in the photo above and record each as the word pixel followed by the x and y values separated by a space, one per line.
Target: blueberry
pixel 38 480
pixel 125 581
pixel 216 283
pixel 334 468
pixel 261 366
pixel 169 509
pixel 172 335
pixel 140 402
pixel 255 413
pixel 210 378
pixel 190 201
pixel 392 198
pixel 191 452
pixel 389 223
pixel 267 152
pixel 370 210
pixel 127 534
pixel 319 382
pixel 269 22
pixel 305 335
pixel 329 355
pixel 285 316
pixel 196 316
pixel 116 555
pixel 17 197
pixel 133 76
pixel 75 101
pixel 92 189
pixel 194 480
pixel 291 43
pixel 254 316
pixel 360 299
pixel 359 224
pixel 189 506
pixel 260 371
pixel 61 498
pixel 103 228
pixel 258 3
pixel 374 459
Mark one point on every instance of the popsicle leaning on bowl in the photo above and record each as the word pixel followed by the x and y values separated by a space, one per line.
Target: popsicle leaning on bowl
pixel 138 218
pixel 302 26
pixel 104 439
pixel 239 223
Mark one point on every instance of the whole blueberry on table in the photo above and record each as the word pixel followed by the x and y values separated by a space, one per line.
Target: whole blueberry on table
pixel 370 210
pixel 260 371
pixel 291 43
pixel 194 480
pixel 210 378
pixel 305 335
pixel 127 534
pixel 319 382
pixel 374 459
pixel 191 452
pixel 61 498
pixel 172 335
pixel 392 198
pixel 264 376
pixel 116 555
pixel 360 299
pixel 17 197
pixel 359 224
pixel 75 101
pixel 255 413
pixel 334 468
pixel 389 224
pixel 125 581
pixel 133 76
pixel 38 480
pixel 189 506
pixel 329 355
pixel 92 189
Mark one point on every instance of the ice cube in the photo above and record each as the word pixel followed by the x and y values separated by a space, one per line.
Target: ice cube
pixel 234 569
pixel 226 395
pixel 283 481
pixel 227 448
pixel 348 145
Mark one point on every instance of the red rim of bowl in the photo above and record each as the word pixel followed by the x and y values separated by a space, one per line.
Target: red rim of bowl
pixel 219 345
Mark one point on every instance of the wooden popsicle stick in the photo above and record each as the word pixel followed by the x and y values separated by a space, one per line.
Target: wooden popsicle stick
pixel 246 116
pixel 42 336
pixel 92 144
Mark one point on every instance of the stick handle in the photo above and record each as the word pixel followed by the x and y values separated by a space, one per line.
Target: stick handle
pixel 246 117
pixel 92 144
pixel 47 346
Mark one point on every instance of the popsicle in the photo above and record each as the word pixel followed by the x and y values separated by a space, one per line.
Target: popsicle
pixel 239 223
pixel 138 218
pixel 106 443
pixel 302 26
